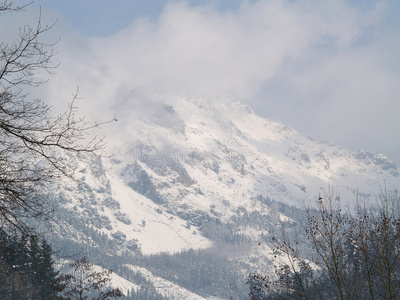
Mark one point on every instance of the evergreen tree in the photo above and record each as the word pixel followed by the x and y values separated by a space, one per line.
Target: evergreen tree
pixel 27 269
pixel 44 277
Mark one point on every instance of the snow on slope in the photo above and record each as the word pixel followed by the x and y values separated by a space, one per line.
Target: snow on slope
pixel 196 160
pixel 229 155
pixel 165 287
pixel 186 163
pixel 110 206
pixel 155 229
pixel 116 281
pixel 119 282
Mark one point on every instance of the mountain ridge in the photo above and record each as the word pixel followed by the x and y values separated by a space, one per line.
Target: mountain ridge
pixel 197 175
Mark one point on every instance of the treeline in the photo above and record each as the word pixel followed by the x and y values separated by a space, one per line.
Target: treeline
pixel 204 272
pixel 354 254
pixel 27 269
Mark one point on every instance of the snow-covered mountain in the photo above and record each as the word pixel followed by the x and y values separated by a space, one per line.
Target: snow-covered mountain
pixel 197 174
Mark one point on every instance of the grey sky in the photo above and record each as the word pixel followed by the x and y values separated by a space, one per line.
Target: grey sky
pixel 327 68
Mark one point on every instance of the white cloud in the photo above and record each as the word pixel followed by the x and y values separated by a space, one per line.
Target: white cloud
pixel 317 65
pixel 200 51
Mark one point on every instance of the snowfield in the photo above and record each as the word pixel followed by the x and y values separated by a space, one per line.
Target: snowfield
pixel 186 163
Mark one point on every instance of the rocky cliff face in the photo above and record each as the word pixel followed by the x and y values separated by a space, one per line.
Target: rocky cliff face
pixel 195 174
pixel 203 154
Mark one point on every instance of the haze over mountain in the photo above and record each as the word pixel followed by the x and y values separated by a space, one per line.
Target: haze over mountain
pixel 329 69
pixel 193 174
pixel 193 185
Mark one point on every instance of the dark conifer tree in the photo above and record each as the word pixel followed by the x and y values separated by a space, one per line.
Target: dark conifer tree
pixel 27 269
pixel 44 278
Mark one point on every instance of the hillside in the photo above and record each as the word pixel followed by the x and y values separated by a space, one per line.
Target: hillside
pixel 185 194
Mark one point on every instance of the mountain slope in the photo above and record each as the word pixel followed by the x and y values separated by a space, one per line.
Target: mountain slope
pixel 199 174
pixel 205 153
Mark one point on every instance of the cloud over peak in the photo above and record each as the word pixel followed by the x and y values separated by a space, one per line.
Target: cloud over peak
pixel 320 66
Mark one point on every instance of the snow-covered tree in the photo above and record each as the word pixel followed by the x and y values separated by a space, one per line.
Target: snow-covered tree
pixel 355 254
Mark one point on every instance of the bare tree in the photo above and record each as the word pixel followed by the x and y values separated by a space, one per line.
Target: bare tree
pixel 34 144
pixel 83 281
pixel 354 255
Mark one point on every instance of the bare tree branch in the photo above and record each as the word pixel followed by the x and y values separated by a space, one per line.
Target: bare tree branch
pixel 34 144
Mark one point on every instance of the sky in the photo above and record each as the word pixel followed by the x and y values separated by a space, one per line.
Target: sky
pixel 330 69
